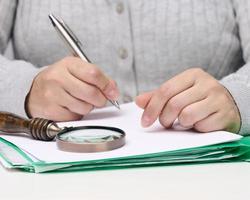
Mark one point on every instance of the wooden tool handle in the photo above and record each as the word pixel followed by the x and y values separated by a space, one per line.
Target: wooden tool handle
pixel 12 123
pixel 38 128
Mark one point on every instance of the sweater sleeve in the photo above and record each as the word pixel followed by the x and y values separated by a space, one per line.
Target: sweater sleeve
pixel 238 83
pixel 16 76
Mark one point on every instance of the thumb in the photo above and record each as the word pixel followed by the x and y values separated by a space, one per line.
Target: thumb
pixel 143 99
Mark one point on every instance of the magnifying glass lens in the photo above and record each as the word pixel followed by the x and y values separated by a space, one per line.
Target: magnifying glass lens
pixel 87 139
pixel 90 136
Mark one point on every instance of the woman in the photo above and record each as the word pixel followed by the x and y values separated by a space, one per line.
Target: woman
pixel 148 47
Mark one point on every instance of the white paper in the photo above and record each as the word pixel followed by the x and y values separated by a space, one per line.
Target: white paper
pixel 138 140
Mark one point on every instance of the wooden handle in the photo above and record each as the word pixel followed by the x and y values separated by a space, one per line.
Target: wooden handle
pixel 12 123
pixel 38 128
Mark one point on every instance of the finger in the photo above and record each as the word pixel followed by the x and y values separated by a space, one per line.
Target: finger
pixel 73 104
pixel 197 112
pixel 84 91
pixel 89 73
pixel 111 93
pixel 63 114
pixel 213 122
pixel 58 113
pixel 143 99
pixel 169 89
pixel 175 105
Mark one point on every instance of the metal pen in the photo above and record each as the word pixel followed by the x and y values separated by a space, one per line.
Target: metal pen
pixel 72 42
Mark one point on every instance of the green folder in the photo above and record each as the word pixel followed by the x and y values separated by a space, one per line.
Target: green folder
pixel 36 156
pixel 226 152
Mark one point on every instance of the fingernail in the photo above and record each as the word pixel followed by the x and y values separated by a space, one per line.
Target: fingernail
pixel 145 121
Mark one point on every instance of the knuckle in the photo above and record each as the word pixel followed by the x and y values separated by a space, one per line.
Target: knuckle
pixel 224 98
pixel 94 73
pixel 208 86
pixel 221 99
pixel 69 60
pixel 48 94
pixel 71 63
pixel 174 105
pixel 44 76
pixel 165 89
pixel 186 117
pixel 92 92
pixel 50 76
pixel 196 70
pixel 213 86
pixel 196 74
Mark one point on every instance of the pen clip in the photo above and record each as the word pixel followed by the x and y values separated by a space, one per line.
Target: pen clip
pixel 70 32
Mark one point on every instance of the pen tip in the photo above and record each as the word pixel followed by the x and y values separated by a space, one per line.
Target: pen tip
pixel 116 104
pixel 52 19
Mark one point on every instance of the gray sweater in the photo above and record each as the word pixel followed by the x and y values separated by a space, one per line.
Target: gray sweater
pixel 139 43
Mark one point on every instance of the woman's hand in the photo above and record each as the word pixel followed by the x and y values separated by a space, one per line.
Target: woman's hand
pixel 196 99
pixel 69 89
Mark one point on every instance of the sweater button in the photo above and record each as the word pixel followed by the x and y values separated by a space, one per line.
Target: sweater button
pixel 123 53
pixel 119 8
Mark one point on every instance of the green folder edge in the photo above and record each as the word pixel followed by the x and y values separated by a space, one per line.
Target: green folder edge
pixel 237 151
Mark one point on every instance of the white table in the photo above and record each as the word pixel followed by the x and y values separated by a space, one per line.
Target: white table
pixel 211 181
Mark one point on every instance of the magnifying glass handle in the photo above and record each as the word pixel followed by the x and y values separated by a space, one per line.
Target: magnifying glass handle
pixel 38 128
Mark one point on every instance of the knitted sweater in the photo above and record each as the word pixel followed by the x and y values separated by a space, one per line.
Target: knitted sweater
pixel 139 43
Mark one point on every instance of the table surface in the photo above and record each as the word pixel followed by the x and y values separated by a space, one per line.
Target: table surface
pixel 207 181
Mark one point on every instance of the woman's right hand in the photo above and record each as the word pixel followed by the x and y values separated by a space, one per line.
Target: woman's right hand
pixel 68 90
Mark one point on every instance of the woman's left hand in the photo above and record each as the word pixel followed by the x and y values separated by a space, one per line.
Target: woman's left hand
pixel 194 97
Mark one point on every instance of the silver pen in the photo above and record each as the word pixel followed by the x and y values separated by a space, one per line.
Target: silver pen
pixel 72 42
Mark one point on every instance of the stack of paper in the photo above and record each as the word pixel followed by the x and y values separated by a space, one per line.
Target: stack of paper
pixel 144 147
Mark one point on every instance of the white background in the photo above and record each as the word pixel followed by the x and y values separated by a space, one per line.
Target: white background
pixel 229 181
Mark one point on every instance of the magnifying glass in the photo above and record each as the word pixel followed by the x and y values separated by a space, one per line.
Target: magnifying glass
pixel 72 139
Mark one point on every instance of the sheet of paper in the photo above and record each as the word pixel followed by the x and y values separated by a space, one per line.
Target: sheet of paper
pixel 139 140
